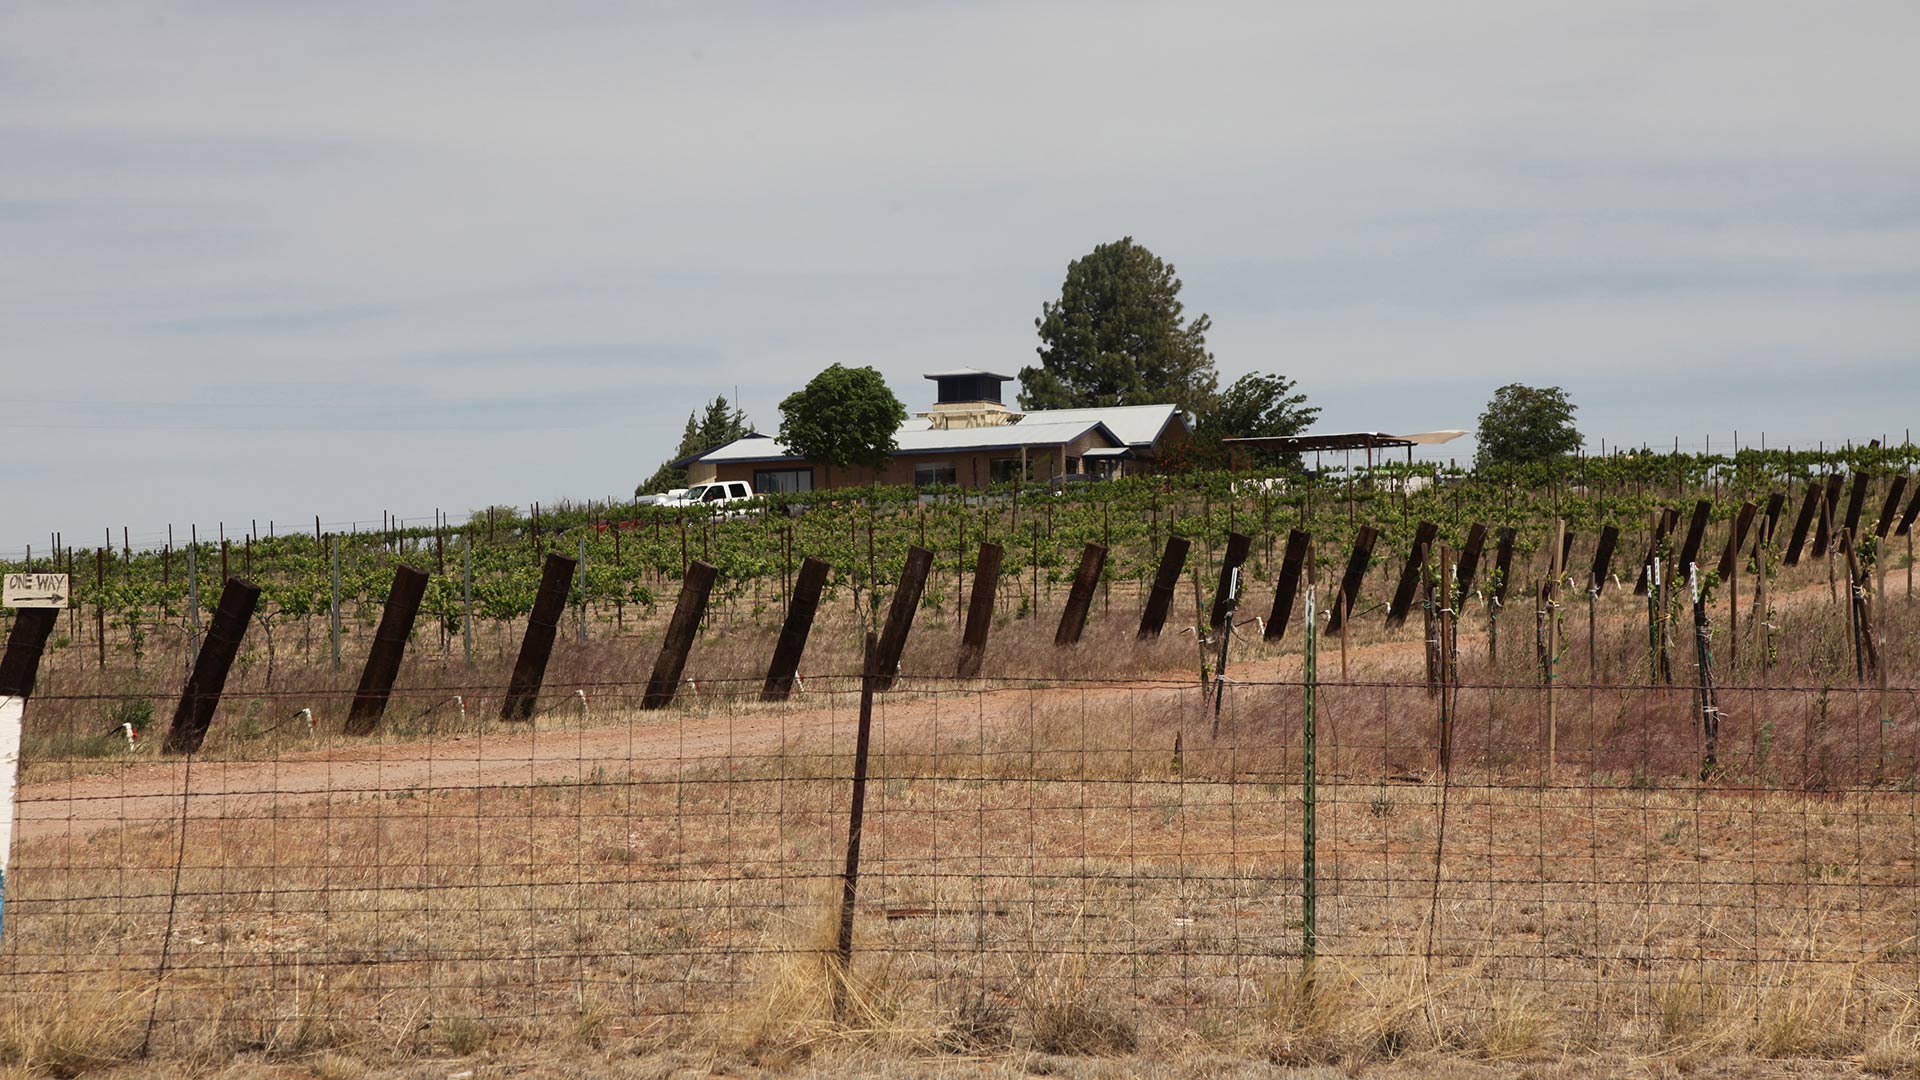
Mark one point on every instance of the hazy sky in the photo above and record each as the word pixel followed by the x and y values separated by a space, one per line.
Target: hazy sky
pixel 272 261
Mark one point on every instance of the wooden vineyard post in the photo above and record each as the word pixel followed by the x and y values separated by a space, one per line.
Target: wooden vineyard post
pixel 536 647
pixel 986 583
pixel 1363 540
pixel 20 664
pixel 1856 502
pixel 682 628
pixel 906 601
pixel 1410 575
pixel 801 609
pixel 1166 579
pixel 1291 563
pixel 1596 584
pixel 194 716
pixel 389 647
pixel 1890 510
pixel 1802 522
pixel 1073 617
pixel 1696 533
pixel 850 875
pixel 1238 545
pixel 1469 561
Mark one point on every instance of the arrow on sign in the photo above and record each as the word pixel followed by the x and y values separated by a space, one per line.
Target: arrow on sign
pixel 52 598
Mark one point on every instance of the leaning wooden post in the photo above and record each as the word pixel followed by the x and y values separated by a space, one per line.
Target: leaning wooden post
pixel 194 716
pixel 850 876
pixel 1298 544
pixel 1173 561
pixel 801 608
pixel 389 648
pixel 1802 523
pixel 986 583
pixel 906 601
pixel 1469 562
pixel 1238 545
pixel 668 667
pixel 1597 584
pixel 20 664
pixel 1073 617
pixel 1362 554
pixel 530 667
pixel 1696 533
pixel 1411 574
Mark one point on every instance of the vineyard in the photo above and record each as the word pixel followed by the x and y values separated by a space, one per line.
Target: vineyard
pixel 136 609
pixel 1613 763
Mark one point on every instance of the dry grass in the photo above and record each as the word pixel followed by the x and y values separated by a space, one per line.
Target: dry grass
pixel 62 1028
pixel 1042 877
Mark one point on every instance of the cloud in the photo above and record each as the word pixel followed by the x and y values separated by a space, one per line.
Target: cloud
pixel 499 252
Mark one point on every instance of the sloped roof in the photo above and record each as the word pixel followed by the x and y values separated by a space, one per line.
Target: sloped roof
pixel 923 440
pixel 1136 425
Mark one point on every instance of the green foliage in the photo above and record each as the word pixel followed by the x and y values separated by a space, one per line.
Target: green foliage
pixel 1527 425
pixel 1256 404
pixel 720 424
pixel 844 416
pixel 1115 337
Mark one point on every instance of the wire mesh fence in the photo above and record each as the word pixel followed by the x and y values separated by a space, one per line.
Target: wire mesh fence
pixel 1062 863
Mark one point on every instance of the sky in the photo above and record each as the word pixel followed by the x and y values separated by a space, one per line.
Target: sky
pixel 271 261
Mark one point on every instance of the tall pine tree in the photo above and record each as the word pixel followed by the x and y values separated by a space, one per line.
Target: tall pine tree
pixel 1116 337
pixel 719 424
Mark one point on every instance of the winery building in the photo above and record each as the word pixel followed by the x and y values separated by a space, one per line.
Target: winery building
pixel 969 439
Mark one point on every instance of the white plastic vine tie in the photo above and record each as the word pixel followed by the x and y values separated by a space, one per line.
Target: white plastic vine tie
pixel 462 703
pixel 585 713
pixel 800 681
pixel 1693 580
pixel 133 737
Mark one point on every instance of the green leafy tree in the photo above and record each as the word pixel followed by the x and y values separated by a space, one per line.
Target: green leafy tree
pixel 1116 337
pixel 719 424
pixel 844 417
pixel 1256 404
pixel 1526 425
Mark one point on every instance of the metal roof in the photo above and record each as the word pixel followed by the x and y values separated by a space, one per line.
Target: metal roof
pixel 1346 440
pixel 964 372
pixel 1136 425
pixel 923 441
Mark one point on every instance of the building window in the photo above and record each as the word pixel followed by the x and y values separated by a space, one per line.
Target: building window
pixel 1006 470
pixel 778 480
pixel 936 474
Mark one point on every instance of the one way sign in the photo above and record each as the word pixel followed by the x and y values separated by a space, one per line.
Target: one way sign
pixel 35 590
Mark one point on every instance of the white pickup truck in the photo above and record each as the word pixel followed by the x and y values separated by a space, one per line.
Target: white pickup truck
pixel 716 494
